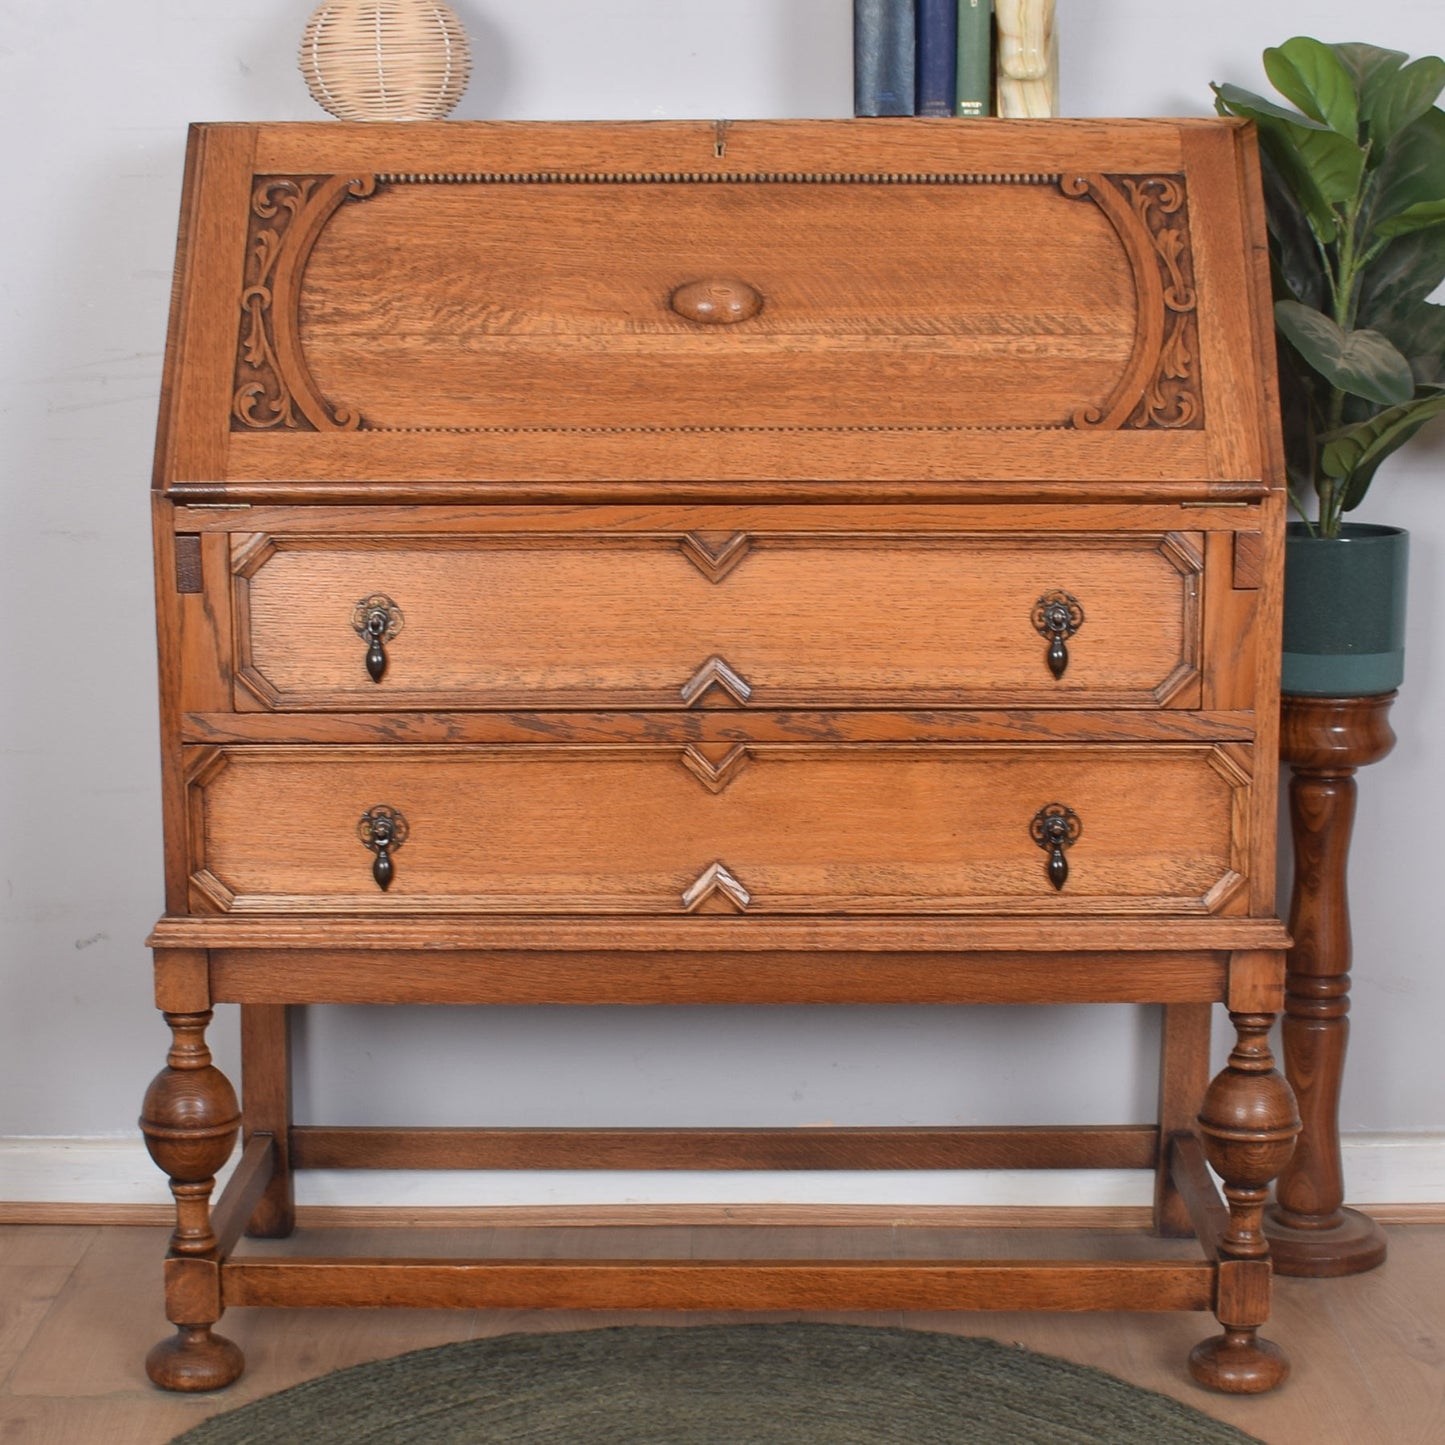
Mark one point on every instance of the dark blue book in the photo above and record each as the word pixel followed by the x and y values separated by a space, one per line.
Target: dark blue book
pixel 937 55
pixel 884 52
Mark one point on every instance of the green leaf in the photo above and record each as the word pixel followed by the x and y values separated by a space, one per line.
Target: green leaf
pixel 1417 218
pixel 1350 452
pixel 1255 107
pixel 1413 173
pixel 1370 68
pixel 1353 491
pixel 1312 75
pixel 1307 156
pixel 1402 275
pixel 1334 165
pixel 1299 418
pixel 1299 272
pixel 1277 143
pixel 1363 363
pixel 1392 98
pixel 1419 333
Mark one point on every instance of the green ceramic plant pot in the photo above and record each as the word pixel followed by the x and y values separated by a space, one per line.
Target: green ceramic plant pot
pixel 1344 611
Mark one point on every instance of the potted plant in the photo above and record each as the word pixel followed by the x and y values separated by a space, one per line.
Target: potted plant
pixel 1354 185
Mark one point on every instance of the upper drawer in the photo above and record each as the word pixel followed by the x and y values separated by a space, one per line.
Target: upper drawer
pixel 546 620
pixel 806 301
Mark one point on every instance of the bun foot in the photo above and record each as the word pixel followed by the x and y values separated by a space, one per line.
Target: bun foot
pixel 195 1359
pixel 1238 1362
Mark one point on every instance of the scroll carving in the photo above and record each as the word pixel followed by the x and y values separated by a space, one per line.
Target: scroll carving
pixel 273 386
pixel 1161 386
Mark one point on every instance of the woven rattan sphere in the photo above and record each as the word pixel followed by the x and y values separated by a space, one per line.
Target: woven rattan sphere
pixel 385 59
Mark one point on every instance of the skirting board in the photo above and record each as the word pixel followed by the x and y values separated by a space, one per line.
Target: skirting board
pixel 1398 1178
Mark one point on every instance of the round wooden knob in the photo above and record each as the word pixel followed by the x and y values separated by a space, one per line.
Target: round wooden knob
pixel 717 302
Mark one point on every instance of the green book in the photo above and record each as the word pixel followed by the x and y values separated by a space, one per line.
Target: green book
pixel 973 95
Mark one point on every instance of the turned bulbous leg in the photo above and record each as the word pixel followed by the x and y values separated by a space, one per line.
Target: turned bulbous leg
pixel 190 1120
pixel 1249 1123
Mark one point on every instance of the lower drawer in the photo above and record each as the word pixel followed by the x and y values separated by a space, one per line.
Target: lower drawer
pixel 758 829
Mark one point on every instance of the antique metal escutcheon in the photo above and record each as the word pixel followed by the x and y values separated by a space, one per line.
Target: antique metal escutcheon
pixel 382 829
pixel 376 620
pixel 1057 616
pixel 1054 829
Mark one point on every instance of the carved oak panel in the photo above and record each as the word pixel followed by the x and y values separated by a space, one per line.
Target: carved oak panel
pixel 463 302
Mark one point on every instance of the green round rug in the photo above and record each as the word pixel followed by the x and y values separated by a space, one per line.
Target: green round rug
pixel 770 1384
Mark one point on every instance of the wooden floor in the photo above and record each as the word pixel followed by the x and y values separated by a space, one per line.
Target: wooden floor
pixel 79 1306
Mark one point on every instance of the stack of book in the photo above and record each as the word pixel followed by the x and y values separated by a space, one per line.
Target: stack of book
pixel 922 57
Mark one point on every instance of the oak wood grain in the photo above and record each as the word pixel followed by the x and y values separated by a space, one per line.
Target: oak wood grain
pixel 1088 936
pixel 723 1284
pixel 1183 1078
pixel 256 974
pixel 266 1070
pixel 752 146
pixel 726 727
pixel 438 516
pixel 491 316
pixel 1040 1147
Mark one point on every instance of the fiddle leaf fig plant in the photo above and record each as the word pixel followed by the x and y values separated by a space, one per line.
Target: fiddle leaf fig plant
pixel 1354 184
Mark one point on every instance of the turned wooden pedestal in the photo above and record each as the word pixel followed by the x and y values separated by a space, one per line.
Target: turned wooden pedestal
pixel 1324 739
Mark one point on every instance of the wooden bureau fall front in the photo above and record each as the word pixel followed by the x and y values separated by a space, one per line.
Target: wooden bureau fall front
pixel 777 562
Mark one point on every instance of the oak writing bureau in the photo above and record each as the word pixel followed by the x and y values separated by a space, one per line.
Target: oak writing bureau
pixel 773 562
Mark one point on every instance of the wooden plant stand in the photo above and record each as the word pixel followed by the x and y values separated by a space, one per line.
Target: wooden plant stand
pixel 1324 740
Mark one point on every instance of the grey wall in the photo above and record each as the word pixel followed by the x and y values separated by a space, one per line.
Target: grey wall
pixel 96 98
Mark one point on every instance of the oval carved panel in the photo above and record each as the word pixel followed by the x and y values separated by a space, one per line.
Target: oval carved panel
pixel 458 303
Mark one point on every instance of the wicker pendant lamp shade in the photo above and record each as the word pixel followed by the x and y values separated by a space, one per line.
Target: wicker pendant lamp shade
pixel 385 59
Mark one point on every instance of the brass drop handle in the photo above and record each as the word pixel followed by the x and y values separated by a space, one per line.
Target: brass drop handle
pixel 382 829
pixel 1055 828
pixel 375 652
pixel 1057 616
pixel 376 620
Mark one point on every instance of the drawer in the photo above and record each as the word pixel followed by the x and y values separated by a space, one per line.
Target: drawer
pixel 679 620
pixel 761 829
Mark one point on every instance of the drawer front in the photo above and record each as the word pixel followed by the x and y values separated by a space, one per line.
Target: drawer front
pixel 761 829
pixel 718 619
